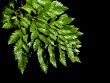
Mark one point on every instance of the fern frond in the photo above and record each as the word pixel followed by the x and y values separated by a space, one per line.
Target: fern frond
pixel 34 4
pixel 23 30
pixel 8 11
pixel 34 35
pixel 15 36
pixel 62 55
pixel 22 62
pixel 7 26
pixel 43 38
pixel 44 31
pixel 25 22
pixel 25 38
pixel 52 55
pixel 6 18
pixel 25 47
pixel 36 44
pixel 70 54
pixel 33 27
pixel 41 60
pixel 50 41
pixel 27 8
pixel 56 8
pixel 63 20
pixel 20 55
pixel 41 25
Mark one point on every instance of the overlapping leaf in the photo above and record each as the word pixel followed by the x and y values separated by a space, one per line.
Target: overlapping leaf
pixel 20 55
pixel 14 37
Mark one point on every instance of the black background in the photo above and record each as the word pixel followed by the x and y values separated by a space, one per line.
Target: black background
pixel 74 72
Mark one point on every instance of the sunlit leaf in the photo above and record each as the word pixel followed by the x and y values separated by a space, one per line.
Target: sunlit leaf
pixel 27 8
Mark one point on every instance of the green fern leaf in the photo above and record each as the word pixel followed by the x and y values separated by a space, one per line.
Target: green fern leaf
pixel 40 9
pixel 14 17
pixel 45 16
pixel 22 61
pixel 70 37
pixel 64 19
pixel 25 22
pixel 7 26
pixel 25 47
pixel 14 37
pixel 71 54
pixel 43 26
pixel 61 37
pixel 43 38
pixel 52 56
pixel 36 44
pixel 40 19
pixel 35 5
pixel 34 35
pixel 33 27
pixel 78 46
pixel 56 9
pixel 39 24
pixel 27 8
pixel 77 59
pixel 43 2
pixel 61 42
pixel 25 38
pixel 53 28
pixel 52 36
pixel 6 18
pixel 68 30
pixel 20 56
pixel 23 30
pixel 53 31
pixel 50 41
pixel 44 31
pixel 8 11
pixel 62 56
pixel 41 60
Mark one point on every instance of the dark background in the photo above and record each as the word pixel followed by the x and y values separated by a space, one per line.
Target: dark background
pixel 74 72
